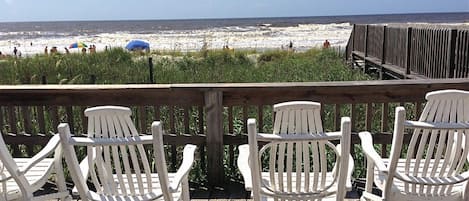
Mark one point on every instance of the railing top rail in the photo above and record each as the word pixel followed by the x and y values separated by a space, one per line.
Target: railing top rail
pixel 420 26
pixel 204 86
pixel 233 93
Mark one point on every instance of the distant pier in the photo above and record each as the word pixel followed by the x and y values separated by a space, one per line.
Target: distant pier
pixel 403 51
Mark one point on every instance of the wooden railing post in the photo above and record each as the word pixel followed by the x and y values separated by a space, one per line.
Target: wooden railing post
pixel 214 139
pixel 383 53
pixel 408 47
pixel 366 41
pixel 92 79
pixel 365 65
pixel 353 38
pixel 150 66
pixel 450 65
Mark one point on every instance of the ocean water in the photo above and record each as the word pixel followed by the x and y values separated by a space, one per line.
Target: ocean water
pixel 190 35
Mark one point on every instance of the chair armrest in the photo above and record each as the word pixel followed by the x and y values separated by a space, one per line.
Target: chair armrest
pixel 435 125
pixel 326 136
pixel 41 155
pixel 351 166
pixel 186 165
pixel 370 152
pixel 243 165
pixel 134 140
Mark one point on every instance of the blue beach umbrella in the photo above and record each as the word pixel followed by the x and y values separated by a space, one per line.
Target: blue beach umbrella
pixel 137 45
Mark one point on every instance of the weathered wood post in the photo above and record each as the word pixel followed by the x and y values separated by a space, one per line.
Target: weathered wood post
pixel 43 79
pixel 450 53
pixel 349 46
pixel 408 50
pixel 352 48
pixel 214 139
pixel 365 67
pixel 92 79
pixel 383 54
pixel 150 66
pixel 353 37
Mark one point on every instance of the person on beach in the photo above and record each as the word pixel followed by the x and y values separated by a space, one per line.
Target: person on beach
pixel 15 51
pixel 46 51
pixel 326 44
pixel 92 49
pixel 53 50
pixel 66 50
pixel 290 47
pixel 83 50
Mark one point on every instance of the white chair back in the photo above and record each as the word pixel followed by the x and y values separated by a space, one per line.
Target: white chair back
pixel 297 154
pixel 128 160
pixel 116 161
pixel 441 151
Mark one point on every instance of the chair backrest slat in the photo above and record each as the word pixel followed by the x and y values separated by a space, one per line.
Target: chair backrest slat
pixel 465 143
pixel 113 133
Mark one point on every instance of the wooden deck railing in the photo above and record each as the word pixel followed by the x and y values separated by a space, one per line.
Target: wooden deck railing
pixel 212 116
pixel 412 51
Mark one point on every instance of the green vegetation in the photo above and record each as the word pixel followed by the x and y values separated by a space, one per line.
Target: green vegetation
pixel 120 67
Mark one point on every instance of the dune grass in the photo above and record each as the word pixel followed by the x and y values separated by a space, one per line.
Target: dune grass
pixel 118 66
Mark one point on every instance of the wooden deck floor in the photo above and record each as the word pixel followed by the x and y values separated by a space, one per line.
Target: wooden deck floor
pixel 233 191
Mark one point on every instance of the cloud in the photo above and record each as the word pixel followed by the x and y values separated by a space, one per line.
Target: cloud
pixel 9 2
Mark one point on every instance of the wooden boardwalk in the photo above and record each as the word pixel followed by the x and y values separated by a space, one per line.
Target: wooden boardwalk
pixel 411 51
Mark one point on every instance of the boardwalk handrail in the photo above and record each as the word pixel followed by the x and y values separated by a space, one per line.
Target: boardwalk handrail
pixel 433 51
pixel 210 115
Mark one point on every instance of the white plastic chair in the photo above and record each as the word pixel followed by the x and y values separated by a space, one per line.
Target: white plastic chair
pixel 432 166
pixel 21 177
pixel 297 153
pixel 117 160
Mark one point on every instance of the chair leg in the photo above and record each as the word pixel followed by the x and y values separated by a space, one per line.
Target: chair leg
pixel 59 174
pixel 370 177
pixel 465 193
pixel 185 189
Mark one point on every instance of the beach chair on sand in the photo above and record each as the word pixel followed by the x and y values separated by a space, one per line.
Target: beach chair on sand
pixel 21 177
pixel 434 164
pixel 117 160
pixel 297 155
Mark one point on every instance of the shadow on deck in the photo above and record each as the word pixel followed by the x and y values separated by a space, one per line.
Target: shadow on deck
pixel 232 191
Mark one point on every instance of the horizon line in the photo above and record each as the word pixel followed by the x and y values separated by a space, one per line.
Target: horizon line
pixel 232 18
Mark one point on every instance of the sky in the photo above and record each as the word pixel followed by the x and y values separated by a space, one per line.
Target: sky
pixel 64 10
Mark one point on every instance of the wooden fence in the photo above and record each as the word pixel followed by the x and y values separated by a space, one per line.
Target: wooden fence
pixel 213 116
pixel 425 51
